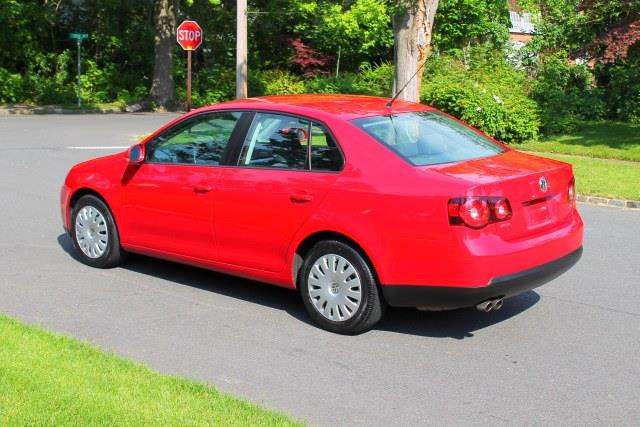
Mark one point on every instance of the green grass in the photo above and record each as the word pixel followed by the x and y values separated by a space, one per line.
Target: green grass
pixel 116 105
pixel 603 155
pixel 606 140
pixel 47 379
pixel 606 178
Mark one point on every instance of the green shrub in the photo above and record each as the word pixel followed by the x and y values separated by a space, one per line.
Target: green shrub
pixel 11 90
pixel 47 80
pixel 375 80
pixel 274 82
pixel 370 80
pixel 344 83
pixel 98 83
pixel 210 86
pixel 487 93
pixel 621 88
pixel 52 80
pixel 127 97
pixel 566 94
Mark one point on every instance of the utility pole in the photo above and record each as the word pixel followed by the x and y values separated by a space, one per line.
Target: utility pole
pixel 241 49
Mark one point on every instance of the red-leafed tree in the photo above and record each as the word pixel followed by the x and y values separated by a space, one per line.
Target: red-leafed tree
pixel 616 25
pixel 307 59
pixel 616 43
pixel 605 30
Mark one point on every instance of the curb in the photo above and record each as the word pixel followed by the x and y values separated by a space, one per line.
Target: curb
pixel 18 110
pixel 617 203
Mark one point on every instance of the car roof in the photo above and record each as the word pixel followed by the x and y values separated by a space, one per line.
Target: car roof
pixel 345 107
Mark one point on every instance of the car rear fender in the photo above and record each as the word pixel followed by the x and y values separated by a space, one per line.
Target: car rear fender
pixel 302 247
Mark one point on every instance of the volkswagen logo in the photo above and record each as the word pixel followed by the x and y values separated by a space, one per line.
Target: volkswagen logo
pixel 543 184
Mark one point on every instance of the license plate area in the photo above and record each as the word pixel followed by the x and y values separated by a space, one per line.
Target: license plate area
pixel 542 211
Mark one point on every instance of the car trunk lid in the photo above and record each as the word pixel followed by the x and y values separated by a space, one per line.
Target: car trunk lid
pixel 535 187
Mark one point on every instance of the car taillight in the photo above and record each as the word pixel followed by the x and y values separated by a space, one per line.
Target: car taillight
pixel 571 192
pixel 474 212
pixel 501 209
pixel 477 212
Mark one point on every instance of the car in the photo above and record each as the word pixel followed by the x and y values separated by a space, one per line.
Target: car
pixel 356 202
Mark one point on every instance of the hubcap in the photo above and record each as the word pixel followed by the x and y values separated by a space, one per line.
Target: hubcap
pixel 334 287
pixel 92 234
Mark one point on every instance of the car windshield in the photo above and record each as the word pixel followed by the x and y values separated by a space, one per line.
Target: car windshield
pixel 428 138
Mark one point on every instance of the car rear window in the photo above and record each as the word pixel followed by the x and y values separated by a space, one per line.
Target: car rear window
pixel 428 138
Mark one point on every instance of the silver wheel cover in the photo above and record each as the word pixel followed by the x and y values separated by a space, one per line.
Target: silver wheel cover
pixel 92 234
pixel 334 287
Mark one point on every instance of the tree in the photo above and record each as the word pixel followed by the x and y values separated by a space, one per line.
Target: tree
pixel 617 25
pixel 601 29
pixel 461 24
pixel 163 90
pixel 412 29
pixel 359 29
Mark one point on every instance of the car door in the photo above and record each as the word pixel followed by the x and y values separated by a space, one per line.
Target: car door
pixel 169 197
pixel 284 169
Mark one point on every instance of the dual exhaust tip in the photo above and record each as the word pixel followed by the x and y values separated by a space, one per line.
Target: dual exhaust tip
pixel 490 305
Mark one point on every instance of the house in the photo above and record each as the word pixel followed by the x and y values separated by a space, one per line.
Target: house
pixel 522 28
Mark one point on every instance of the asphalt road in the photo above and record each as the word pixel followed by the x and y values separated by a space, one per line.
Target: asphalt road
pixel 566 354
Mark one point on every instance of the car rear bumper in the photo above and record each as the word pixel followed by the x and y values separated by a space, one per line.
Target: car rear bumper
pixel 448 298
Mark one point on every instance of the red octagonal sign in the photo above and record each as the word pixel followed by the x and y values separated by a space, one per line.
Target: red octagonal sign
pixel 189 35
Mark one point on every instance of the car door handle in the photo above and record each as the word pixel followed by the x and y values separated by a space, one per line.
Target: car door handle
pixel 202 188
pixel 300 198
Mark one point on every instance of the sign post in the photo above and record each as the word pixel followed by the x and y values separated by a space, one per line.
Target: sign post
pixel 78 37
pixel 189 37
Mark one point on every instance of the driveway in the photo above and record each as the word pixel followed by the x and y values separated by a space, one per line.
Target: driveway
pixel 568 353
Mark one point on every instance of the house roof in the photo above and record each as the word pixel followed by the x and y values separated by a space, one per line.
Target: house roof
pixel 521 22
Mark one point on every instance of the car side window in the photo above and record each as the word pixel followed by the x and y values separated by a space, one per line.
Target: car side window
pixel 201 140
pixel 276 141
pixel 325 155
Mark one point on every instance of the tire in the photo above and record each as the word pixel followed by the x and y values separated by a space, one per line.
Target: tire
pixel 339 289
pixel 94 233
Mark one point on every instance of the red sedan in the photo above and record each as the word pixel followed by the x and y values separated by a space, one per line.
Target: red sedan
pixel 354 203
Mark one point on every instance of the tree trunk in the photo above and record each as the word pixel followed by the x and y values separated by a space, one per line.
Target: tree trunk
pixel 163 89
pixel 412 30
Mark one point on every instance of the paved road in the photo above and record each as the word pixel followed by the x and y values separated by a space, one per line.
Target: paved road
pixel 566 354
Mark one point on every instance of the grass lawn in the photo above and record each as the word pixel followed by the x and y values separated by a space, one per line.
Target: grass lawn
pixel 588 148
pixel 47 379
pixel 606 140
pixel 606 178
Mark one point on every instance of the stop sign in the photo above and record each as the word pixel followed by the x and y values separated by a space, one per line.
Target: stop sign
pixel 189 35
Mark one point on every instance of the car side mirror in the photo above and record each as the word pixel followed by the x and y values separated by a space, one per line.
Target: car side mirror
pixel 136 154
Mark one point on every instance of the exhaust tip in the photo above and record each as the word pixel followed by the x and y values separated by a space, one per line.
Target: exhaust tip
pixel 490 305
pixel 485 306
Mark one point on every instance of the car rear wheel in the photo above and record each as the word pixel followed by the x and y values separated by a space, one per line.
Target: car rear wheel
pixel 339 289
pixel 94 233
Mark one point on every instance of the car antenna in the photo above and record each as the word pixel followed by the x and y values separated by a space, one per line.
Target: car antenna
pixel 390 103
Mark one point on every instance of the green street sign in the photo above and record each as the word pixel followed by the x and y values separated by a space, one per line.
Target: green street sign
pixel 78 36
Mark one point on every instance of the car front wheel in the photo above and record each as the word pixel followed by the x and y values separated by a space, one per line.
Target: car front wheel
pixel 94 233
pixel 339 289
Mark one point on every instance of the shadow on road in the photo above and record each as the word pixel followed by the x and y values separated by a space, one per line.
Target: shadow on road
pixel 458 324
pixel 230 286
